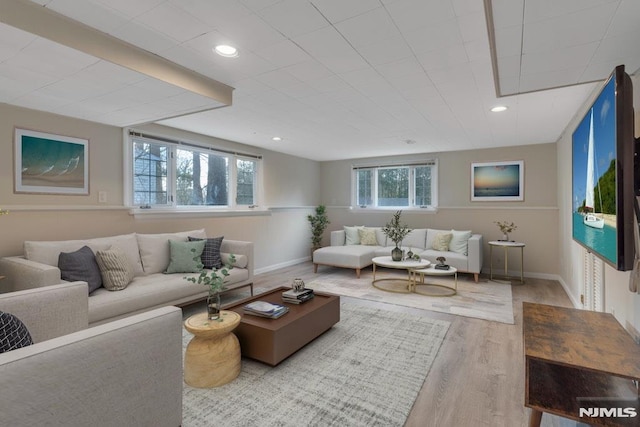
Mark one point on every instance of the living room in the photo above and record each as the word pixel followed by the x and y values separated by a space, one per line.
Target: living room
pixel 293 185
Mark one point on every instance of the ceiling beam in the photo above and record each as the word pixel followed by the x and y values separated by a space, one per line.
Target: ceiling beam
pixel 43 22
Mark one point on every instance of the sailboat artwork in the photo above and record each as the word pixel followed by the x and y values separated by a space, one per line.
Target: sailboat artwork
pixel 590 218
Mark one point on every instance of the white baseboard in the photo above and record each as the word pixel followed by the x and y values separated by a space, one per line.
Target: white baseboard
pixel 281 265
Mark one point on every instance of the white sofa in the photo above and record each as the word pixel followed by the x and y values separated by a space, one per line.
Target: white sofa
pixel 147 253
pixel 126 372
pixel 465 253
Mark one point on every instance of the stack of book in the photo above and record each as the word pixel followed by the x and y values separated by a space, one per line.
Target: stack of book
pixel 265 309
pixel 297 297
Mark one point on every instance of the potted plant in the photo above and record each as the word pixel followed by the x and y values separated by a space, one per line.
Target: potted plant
pixel 319 223
pixel 214 280
pixel 396 231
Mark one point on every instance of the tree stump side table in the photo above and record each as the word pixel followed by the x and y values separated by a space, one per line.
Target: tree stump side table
pixel 212 357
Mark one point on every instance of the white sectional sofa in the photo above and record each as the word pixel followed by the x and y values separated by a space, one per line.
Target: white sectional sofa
pixel 149 254
pixel 464 251
pixel 123 373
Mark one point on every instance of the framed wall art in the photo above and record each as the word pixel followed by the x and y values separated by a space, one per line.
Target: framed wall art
pixel 497 181
pixel 50 164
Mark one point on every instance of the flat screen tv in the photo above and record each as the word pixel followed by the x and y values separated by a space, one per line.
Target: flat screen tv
pixel 603 174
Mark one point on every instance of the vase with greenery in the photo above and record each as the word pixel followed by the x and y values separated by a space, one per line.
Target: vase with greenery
pixel 319 223
pixel 214 279
pixel 396 231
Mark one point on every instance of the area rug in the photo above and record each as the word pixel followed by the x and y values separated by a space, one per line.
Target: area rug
pixel 488 300
pixel 366 370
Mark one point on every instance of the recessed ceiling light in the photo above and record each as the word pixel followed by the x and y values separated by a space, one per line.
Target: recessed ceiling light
pixel 498 108
pixel 276 138
pixel 226 51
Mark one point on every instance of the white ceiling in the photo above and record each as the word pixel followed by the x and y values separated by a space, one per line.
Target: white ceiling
pixel 335 78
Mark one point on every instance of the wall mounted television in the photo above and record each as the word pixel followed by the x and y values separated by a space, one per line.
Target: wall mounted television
pixel 603 174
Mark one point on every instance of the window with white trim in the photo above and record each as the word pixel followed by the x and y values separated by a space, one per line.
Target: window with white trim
pixel 167 173
pixel 403 185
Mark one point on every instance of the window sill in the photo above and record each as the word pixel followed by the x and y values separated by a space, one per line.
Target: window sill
pixel 194 213
pixel 394 209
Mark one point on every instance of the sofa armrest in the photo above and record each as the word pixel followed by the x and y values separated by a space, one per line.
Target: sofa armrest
pixel 23 274
pixel 338 238
pixel 474 260
pixel 126 372
pixel 51 311
pixel 238 247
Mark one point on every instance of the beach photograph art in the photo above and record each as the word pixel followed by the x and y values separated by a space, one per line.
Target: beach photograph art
pixel 497 181
pixel 47 163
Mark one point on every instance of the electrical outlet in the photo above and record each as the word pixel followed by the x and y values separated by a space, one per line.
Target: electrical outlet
pixel 102 197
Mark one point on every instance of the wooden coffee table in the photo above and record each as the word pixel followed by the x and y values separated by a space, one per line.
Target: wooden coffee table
pixel 273 340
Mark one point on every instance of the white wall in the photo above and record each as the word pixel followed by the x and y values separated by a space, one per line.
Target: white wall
pixel 281 236
pixel 624 304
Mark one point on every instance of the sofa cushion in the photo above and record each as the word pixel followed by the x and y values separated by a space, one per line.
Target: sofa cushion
pixel 431 234
pixel 415 239
pixel 211 257
pixel 48 252
pixel 184 257
pixel 80 265
pixel 352 235
pixel 154 248
pixel 13 333
pixel 115 268
pixel 367 236
pixel 460 242
pixel 380 236
pixel 441 242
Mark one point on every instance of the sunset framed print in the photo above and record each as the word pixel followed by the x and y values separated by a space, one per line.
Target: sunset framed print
pixel 50 164
pixel 497 181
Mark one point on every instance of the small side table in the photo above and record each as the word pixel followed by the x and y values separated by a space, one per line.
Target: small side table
pixel 506 245
pixel 432 271
pixel 212 357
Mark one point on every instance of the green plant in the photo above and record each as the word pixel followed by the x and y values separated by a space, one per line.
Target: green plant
pixel 395 230
pixel 215 278
pixel 319 223
pixel 4 212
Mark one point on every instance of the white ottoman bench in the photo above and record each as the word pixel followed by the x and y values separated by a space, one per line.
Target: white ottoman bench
pixel 351 256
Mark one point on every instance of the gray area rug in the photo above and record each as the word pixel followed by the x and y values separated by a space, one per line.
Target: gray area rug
pixel 488 300
pixel 365 371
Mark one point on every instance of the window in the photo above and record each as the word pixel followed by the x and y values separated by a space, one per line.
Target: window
pixel 176 174
pixel 396 186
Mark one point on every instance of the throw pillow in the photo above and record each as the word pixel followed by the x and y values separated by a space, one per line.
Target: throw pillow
pixel 460 242
pixel 367 236
pixel 185 257
pixel 211 257
pixel 441 241
pixel 13 333
pixel 80 265
pixel 115 268
pixel 352 235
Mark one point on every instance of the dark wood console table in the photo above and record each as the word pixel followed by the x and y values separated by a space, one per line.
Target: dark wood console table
pixel 572 354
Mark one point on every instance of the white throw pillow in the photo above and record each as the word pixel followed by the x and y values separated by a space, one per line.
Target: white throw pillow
pixel 460 242
pixel 352 235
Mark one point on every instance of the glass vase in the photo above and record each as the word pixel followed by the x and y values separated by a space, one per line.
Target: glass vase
pixel 213 306
pixel 396 254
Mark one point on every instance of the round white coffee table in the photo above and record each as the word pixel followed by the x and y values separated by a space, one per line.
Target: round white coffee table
pixel 386 261
pixel 432 271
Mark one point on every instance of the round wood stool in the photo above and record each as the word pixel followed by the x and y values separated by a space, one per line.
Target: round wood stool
pixel 212 357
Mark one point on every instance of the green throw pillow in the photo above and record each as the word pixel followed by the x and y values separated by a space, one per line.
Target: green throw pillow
pixel 185 256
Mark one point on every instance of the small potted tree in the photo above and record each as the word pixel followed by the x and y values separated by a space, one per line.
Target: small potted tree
pixel 319 223
pixel 396 232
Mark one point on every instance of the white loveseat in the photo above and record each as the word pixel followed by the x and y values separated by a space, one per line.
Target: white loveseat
pixel 149 254
pixel 465 251
pixel 122 373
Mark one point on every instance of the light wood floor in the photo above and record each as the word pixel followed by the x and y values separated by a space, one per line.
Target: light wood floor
pixel 477 378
